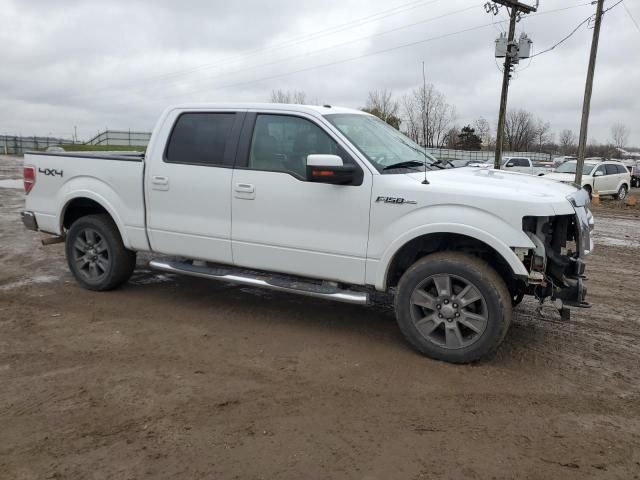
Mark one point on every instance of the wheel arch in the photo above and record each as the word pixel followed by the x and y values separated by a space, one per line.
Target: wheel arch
pixel 89 204
pixel 500 257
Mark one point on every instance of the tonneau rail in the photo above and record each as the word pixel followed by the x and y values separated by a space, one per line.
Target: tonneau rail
pixel 124 157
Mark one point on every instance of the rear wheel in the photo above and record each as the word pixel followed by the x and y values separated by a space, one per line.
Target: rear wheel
pixel 453 307
pixel 96 255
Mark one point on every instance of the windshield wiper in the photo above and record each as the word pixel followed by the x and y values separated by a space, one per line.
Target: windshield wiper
pixel 406 164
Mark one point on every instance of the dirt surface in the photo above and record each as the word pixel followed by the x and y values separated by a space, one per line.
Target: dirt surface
pixel 175 377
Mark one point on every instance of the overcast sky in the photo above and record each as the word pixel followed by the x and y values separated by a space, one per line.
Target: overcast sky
pixel 118 64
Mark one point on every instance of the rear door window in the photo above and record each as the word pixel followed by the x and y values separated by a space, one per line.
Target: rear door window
pixel 611 169
pixel 201 139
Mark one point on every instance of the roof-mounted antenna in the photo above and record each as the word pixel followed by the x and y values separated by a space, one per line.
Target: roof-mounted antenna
pixel 424 126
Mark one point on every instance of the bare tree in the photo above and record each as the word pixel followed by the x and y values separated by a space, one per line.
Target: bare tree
pixel 543 133
pixel 428 116
pixel 382 104
pixel 567 141
pixel 483 130
pixel 285 96
pixel 620 135
pixel 520 130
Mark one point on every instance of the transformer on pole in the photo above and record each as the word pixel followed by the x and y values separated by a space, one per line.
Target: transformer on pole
pixel 512 52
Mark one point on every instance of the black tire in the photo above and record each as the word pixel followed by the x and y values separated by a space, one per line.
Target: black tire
pixel 622 193
pixel 494 307
pixel 96 255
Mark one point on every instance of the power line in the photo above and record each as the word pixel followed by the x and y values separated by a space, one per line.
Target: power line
pixel 377 52
pixel 307 54
pixel 360 39
pixel 285 44
pixel 586 20
pixel 631 16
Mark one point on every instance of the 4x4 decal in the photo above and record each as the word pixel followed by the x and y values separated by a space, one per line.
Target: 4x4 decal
pixel 50 171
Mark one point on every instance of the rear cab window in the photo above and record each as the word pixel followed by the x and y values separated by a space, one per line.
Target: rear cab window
pixel 202 138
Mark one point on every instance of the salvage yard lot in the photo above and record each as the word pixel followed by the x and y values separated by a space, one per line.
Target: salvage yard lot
pixel 181 377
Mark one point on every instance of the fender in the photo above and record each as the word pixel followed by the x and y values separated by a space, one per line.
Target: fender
pixel 99 193
pixel 469 221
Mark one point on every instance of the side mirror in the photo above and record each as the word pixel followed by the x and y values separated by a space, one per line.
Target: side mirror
pixel 599 173
pixel 329 169
pixel 509 165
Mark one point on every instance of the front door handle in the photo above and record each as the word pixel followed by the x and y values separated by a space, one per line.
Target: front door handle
pixel 159 182
pixel 246 191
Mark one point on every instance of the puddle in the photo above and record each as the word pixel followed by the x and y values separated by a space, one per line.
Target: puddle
pixel 617 232
pixel 12 183
pixel 30 281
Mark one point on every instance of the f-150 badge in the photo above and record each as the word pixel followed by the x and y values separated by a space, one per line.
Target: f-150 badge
pixel 396 200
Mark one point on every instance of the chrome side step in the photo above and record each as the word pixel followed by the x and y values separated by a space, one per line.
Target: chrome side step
pixel 280 283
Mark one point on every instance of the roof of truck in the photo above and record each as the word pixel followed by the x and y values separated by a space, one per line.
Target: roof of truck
pixel 317 109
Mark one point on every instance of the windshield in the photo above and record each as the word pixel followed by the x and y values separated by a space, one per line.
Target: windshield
pixel 570 167
pixel 383 145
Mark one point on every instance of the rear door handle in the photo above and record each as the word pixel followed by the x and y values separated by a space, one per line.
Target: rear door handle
pixel 245 187
pixel 159 182
pixel 246 191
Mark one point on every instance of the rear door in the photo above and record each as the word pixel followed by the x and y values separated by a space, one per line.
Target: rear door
pixel 188 185
pixel 612 177
pixel 282 222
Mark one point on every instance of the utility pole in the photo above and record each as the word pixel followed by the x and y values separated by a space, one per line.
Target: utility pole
pixel 588 89
pixel 511 58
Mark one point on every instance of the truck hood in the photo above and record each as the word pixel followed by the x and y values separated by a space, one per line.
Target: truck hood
pixel 487 186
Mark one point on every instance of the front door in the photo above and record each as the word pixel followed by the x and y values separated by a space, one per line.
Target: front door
pixel 188 186
pixel 283 223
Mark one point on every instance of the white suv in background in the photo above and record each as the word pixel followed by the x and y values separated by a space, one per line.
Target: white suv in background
pixel 606 177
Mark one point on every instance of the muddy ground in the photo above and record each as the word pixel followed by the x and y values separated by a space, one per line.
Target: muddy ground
pixel 175 377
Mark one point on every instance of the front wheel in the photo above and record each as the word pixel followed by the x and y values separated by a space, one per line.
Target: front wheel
pixel 96 255
pixel 622 192
pixel 453 307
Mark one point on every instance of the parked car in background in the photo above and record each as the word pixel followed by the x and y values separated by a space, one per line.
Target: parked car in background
pixel 518 164
pixel 55 149
pixel 634 171
pixel 557 161
pixel 459 162
pixel 607 177
pixel 509 164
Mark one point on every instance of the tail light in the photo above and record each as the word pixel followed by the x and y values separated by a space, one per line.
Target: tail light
pixel 29 177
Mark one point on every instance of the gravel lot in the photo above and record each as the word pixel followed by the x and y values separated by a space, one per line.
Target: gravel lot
pixel 180 377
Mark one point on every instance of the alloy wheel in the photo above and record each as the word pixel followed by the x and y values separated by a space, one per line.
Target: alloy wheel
pixel 449 311
pixel 91 254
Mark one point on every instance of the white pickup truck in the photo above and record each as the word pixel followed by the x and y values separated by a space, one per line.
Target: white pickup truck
pixel 322 201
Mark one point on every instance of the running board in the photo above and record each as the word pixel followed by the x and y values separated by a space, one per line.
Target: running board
pixel 252 279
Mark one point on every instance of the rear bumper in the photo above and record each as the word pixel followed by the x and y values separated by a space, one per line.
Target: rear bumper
pixel 29 220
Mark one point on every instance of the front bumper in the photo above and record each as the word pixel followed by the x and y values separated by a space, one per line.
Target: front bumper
pixel 29 220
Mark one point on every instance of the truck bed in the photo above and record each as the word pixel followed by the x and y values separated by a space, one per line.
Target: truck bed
pixel 114 180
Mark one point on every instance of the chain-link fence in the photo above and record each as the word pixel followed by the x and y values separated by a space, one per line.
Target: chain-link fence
pixel 17 145
pixel 485 155
pixel 121 137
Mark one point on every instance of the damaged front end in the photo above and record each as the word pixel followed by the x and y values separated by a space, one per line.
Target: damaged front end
pixel 556 264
